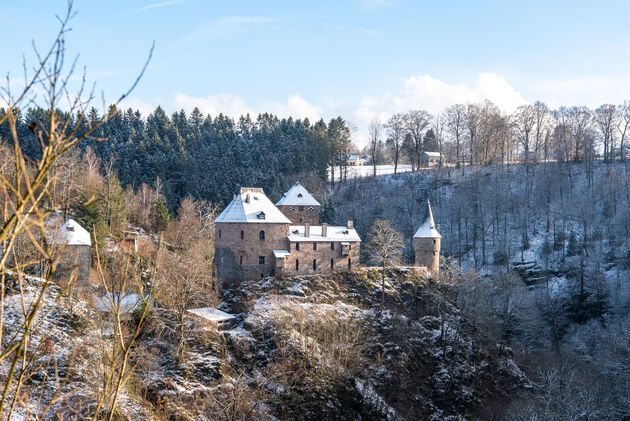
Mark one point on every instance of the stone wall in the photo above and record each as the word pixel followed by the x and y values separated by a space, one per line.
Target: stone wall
pixel 427 252
pixel 300 215
pixel 75 259
pixel 322 256
pixel 238 258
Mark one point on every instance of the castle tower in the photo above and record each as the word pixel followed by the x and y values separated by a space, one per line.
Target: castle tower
pixel 247 232
pixel 299 206
pixel 426 243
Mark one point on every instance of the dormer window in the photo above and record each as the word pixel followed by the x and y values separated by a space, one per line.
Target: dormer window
pixel 290 208
pixel 311 208
pixel 260 215
pixel 299 194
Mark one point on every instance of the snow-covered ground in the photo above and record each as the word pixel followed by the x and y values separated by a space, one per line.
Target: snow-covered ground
pixel 368 170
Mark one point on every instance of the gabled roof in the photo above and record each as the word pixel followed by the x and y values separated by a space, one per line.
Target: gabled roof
pixel 252 205
pixel 72 234
pixel 297 196
pixel 334 233
pixel 427 228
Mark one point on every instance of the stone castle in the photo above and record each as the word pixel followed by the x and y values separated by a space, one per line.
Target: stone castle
pixel 255 238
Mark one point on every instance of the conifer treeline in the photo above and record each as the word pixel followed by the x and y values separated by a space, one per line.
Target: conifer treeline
pixel 202 156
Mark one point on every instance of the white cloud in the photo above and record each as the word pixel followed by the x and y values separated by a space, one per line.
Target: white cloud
pixel 144 107
pixel 591 91
pixel 235 106
pixel 431 94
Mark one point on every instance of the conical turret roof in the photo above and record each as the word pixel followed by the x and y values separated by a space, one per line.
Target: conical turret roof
pixel 427 228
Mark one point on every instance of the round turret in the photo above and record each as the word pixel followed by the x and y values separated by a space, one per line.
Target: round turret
pixel 426 243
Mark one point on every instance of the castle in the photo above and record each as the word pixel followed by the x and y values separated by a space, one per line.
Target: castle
pixel 255 238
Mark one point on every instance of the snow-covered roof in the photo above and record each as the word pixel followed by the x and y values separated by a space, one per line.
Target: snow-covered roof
pixel 252 205
pixel 297 196
pixel 128 303
pixel 427 228
pixel 212 314
pixel 433 153
pixel 72 234
pixel 280 254
pixel 296 234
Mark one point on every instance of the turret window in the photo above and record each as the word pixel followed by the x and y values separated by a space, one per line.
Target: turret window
pixel 242 234
pixel 261 260
pixel 297 246
pixel 314 246
pixel 301 208
pixel 332 246
pixel 434 242
pixel 314 264
pixel 261 235
pixel 297 264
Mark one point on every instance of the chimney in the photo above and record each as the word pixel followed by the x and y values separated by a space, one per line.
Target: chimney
pixel 324 230
pixel 307 230
pixel 350 225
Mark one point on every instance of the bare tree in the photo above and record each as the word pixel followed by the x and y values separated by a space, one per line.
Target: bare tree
pixel 455 124
pixel 623 124
pixel 416 122
pixel 606 120
pixel 27 191
pixel 395 135
pixel 384 247
pixel 374 133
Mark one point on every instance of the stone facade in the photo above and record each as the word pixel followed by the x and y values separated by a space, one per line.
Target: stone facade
pixel 254 239
pixel 241 254
pixel 320 257
pixel 301 214
pixel 426 243
pixel 427 252
pixel 73 261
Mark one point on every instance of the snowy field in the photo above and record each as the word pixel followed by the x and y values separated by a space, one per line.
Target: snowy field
pixel 368 170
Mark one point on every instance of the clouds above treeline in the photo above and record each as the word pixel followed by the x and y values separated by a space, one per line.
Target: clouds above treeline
pixel 416 92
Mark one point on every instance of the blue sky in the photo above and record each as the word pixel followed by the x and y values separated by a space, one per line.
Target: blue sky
pixel 361 59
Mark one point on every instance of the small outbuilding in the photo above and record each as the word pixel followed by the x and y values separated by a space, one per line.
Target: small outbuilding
pixel 431 159
pixel 72 245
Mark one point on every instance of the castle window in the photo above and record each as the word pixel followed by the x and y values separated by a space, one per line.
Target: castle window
pixel 242 234
pixel 261 235
pixel 301 208
pixel 332 246
pixel 297 246
pixel 314 264
pixel 260 215
pixel 349 263
pixel 297 264
pixel 261 260
pixel 332 264
pixel 314 246
pixel 241 260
